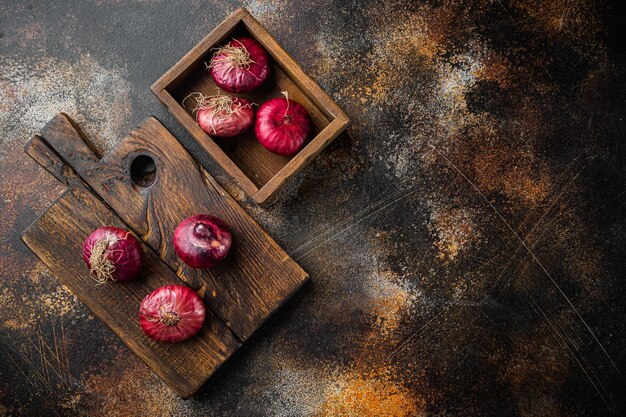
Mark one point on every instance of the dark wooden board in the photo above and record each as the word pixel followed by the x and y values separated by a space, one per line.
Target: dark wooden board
pixel 57 237
pixel 241 293
pixel 259 172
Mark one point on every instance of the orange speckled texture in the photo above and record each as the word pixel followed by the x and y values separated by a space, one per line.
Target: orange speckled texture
pixel 465 238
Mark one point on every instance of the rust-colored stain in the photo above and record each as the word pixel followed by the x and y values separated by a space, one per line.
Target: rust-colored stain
pixel 371 395
pixel 129 386
pixel 465 238
pixel 454 230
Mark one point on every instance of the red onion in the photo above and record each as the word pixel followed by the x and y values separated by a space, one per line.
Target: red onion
pixel 112 254
pixel 171 314
pixel 282 125
pixel 240 66
pixel 201 241
pixel 222 116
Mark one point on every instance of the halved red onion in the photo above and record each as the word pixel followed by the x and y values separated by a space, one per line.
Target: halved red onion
pixel 112 254
pixel 172 313
pixel 240 66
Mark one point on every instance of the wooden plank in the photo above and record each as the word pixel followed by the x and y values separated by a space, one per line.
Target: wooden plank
pixel 57 237
pixel 256 278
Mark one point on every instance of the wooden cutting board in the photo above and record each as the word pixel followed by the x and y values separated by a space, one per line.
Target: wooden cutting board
pixel 148 184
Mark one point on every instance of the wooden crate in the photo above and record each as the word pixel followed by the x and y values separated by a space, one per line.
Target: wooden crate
pixel 259 172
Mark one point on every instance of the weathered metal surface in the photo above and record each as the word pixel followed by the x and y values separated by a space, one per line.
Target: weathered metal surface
pixel 473 212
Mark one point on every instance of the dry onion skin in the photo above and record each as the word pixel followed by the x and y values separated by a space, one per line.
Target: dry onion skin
pixel 221 115
pixel 171 314
pixel 240 66
pixel 112 254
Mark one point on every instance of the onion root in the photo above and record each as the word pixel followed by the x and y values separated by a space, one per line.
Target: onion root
pixel 221 105
pixel 102 269
pixel 236 56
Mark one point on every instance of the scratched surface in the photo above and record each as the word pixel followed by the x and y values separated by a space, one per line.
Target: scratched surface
pixel 465 237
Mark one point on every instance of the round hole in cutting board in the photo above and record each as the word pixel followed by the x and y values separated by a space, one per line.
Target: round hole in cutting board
pixel 143 171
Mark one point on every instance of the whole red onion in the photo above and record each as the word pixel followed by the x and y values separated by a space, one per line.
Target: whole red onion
pixel 201 241
pixel 240 66
pixel 112 254
pixel 171 314
pixel 224 116
pixel 282 126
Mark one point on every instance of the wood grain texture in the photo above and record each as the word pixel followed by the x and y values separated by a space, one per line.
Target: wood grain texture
pixel 57 237
pixel 259 172
pixel 255 279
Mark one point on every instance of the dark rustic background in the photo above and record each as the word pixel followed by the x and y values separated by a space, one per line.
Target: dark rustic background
pixel 465 237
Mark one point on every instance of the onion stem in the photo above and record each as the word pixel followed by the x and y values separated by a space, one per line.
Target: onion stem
pixel 286 94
